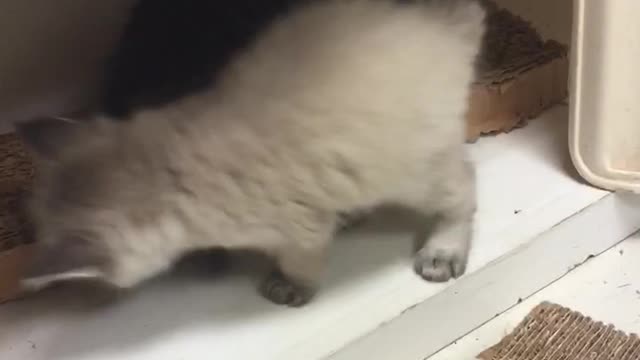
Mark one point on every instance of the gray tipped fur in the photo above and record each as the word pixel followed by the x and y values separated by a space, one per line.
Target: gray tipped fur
pixel 340 106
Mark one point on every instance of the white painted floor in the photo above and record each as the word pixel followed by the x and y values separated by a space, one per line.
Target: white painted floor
pixel 606 288
pixel 530 202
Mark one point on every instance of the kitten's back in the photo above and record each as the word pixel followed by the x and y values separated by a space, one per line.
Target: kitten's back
pixel 343 87
pixel 356 62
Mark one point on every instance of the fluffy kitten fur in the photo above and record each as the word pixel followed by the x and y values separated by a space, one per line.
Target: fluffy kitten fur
pixel 339 106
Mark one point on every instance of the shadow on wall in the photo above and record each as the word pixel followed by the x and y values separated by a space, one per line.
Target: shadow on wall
pixel 51 54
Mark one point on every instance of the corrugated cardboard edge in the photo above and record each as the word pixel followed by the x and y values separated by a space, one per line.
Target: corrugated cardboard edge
pixel 501 107
pixel 12 265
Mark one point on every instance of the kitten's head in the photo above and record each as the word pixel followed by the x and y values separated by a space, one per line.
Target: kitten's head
pixel 97 205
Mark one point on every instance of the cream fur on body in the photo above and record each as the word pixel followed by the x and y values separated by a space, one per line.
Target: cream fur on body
pixel 338 107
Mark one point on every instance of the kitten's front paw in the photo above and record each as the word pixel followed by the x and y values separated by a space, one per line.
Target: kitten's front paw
pixel 349 220
pixel 284 292
pixel 440 265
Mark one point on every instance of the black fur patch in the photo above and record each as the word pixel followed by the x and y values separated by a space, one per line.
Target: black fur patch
pixel 173 48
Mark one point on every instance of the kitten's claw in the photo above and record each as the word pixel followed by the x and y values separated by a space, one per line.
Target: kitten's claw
pixel 284 292
pixel 440 265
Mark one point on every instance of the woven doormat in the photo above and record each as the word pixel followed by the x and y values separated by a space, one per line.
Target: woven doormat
pixel 552 332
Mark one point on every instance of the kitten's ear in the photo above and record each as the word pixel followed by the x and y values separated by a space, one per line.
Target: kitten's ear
pixel 71 259
pixel 47 136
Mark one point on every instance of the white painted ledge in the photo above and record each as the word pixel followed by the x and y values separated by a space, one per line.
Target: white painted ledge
pixel 526 187
pixel 605 288
pixel 449 315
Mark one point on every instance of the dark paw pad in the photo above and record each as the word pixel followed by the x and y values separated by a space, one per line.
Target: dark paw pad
pixel 284 292
pixel 349 220
pixel 440 265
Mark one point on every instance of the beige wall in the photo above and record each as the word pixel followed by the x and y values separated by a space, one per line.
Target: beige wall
pixel 51 52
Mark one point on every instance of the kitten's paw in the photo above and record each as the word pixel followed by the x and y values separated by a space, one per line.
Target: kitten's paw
pixel 440 265
pixel 349 220
pixel 284 292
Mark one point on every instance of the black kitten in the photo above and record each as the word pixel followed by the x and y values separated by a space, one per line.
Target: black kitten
pixel 171 49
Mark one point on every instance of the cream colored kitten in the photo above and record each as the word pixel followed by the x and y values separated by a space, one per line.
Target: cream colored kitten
pixel 341 105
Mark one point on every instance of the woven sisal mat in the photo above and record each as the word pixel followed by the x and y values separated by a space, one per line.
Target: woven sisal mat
pixel 552 332
pixel 16 173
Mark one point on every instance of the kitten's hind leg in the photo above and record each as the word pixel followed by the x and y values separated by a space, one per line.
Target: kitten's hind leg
pixel 444 255
pixel 300 263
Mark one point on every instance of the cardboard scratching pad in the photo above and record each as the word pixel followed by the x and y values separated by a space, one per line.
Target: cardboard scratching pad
pixel 520 76
pixel 553 332
pixel 16 174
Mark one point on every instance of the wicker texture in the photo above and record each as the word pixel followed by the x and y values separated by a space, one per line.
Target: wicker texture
pixel 16 174
pixel 552 332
